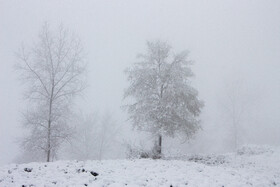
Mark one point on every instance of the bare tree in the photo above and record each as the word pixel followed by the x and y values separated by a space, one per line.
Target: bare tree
pixel 54 72
pixel 164 102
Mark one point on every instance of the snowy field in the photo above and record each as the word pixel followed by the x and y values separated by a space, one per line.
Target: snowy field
pixel 250 166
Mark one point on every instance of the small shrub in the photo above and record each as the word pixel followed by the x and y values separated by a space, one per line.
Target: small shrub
pixel 138 153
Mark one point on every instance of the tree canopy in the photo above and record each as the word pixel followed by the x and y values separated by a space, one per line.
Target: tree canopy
pixel 163 101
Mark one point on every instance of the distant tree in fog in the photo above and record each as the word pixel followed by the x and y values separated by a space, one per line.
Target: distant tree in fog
pixel 236 107
pixel 108 132
pixel 83 143
pixel 95 137
pixel 164 102
pixel 53 69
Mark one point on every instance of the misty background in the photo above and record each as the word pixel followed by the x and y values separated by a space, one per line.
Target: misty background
pixel 235 46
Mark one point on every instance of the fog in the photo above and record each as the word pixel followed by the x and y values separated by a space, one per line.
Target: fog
pixel 231 42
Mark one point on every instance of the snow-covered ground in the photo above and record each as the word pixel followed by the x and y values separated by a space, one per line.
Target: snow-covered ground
pixel 250 166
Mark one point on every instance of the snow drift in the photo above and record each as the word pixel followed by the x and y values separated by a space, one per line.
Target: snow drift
pixel 250 166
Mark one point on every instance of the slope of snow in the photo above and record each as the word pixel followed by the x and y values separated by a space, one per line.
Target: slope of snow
pixel 250 166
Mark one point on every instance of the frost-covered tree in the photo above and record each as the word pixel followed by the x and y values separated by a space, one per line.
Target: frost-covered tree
pixel 163 101
pixel 53 71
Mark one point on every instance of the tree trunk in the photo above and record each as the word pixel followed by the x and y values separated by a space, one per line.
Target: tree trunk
pixel 49 129
pixel 49 122
pixel 159 144
pixel 49 142
pixel 158 148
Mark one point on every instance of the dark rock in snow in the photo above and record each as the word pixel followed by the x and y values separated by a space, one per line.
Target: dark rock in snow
pixel 28 169
pixel 94 173
pixel 81 170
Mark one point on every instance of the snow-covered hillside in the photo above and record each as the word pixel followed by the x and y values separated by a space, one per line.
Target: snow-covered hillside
pixel 250 166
